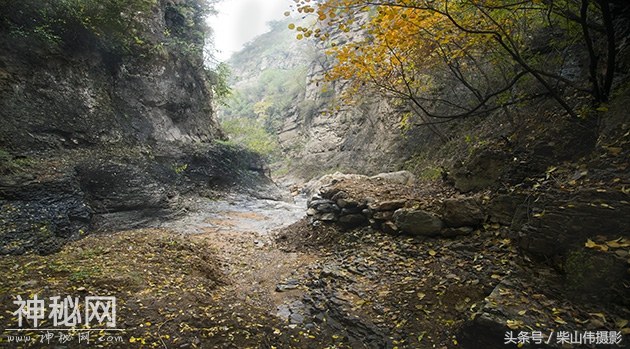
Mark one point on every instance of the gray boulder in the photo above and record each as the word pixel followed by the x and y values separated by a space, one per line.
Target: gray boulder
pixel 417 222
pixel 352 220
pixel 462 212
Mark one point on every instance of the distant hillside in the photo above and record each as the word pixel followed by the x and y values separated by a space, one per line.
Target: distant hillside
pixel 268 78
pixel 280 107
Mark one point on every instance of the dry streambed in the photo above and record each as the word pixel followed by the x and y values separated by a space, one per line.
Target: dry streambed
pixel 248 273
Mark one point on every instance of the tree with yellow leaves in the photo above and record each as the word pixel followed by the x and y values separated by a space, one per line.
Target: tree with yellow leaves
pixel 487 47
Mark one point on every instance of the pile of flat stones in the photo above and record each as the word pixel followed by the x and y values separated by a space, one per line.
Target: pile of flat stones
pixel 456 216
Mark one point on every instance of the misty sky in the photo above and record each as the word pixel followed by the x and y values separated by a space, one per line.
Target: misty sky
pixel 239 21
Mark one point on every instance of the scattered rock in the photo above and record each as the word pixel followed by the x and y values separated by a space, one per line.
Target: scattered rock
pixel 390 205
pixel 339 196
pixel 347 211
pixel 327 207
pixel 503 312
pixel 453 232
pixel 383 215
pixel 296 318
pixel 288 285
pixel 320 203
pixel 389 227
pixel 315 186
pixel 327 217
pixel 347 203
pixel 332 271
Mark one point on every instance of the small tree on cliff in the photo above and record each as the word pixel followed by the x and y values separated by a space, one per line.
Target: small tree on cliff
pixel 487 47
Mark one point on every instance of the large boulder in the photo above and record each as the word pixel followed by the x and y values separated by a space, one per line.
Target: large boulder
pixel 462 212
pixel 418 222
pixel 504 315
pixel 596 277
pixel 127 195
pixel 560 224
pixel 315 186
pixel 482 169
pixel 352 220
pixel 389 205
pixel 511 210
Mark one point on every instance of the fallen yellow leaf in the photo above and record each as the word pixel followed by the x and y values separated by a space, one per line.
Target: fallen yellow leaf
pixel 560 321
pixel 514 324
pixel 618 243
pixel 591 244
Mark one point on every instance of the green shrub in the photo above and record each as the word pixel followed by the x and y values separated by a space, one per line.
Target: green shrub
pixel 218 78
pixel 114 23
pixel 252 135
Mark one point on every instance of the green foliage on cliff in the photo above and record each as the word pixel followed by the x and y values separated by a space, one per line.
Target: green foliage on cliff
pixel 253 113
pixel 271 94
pixel 218 78
pixel 117 26
pixel 269 78
pixel 116 23
pixel 252 135
pixel 267 86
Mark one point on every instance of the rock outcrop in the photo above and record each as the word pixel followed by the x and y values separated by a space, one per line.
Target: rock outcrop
pixel 107 132
pixel 571 245
pixel 386 204
pixel 314 135
pixel 64 97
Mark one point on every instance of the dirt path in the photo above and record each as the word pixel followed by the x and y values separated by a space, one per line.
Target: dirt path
pixel 277 296
pixel 240 229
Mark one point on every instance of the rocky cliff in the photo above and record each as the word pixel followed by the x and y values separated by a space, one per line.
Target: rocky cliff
pixel 107 119
pixel 364 137
pixel 316 131
pixel 80 91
